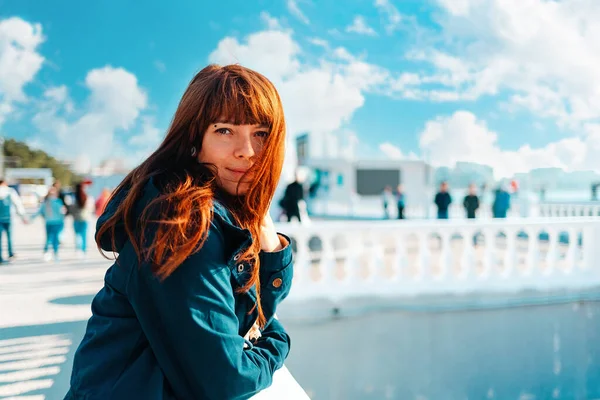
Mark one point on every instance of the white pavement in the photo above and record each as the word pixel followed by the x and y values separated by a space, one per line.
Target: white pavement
pixel 28 285
pixel 43 310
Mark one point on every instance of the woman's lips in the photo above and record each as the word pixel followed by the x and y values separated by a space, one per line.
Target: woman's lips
pixel 238 173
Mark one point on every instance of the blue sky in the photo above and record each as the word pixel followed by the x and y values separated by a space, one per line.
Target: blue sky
pixel 509 83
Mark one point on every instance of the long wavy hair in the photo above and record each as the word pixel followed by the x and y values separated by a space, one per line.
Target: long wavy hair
pixel 80 195
pixel 183 211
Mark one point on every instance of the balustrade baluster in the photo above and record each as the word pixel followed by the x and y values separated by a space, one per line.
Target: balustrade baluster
pixel 533 252
pixel 490 246
pixel 423 258
pixel 510 255
pixel 551 255
pixel 468 254
pixel 445 253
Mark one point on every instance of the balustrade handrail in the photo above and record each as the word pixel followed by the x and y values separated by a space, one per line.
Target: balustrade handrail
pixel 346 225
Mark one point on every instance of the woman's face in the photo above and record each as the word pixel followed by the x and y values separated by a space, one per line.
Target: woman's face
pixel 52 193
pixel 233 150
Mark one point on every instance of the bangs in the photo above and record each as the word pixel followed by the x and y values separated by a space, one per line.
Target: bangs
pixel 243 100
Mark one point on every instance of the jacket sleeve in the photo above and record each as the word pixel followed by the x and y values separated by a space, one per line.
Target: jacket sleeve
pixel 191 325
pixel 276 273
pixel 16 200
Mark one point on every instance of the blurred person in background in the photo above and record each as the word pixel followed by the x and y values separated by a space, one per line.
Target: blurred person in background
pixel 400 201
pixel 82 210
pixel 66 201
pixel 387 197
pixel 292 198
pixel 501 203
pixel 471 202
pixel 442 201
pixel 188 309
pixel 53 211
pixel 9 201
pixel 102 201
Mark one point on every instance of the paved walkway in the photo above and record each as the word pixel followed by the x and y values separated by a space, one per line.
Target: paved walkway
pixel 44 308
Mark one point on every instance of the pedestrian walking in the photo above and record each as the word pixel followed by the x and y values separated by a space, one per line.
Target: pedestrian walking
pixel 9 202
pixel 53 211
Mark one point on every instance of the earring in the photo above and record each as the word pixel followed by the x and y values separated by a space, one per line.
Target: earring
pixel 194 151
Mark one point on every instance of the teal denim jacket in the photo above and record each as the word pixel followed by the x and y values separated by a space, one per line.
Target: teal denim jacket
pixel 182 338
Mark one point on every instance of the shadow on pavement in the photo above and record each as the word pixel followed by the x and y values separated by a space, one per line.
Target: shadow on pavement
pixel 37 359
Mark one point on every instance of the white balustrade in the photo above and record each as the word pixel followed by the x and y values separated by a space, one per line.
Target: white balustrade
pixel 343 259
pixel 569 210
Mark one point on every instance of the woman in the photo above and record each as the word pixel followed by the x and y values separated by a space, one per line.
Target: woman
pixel 53 212
pixel 81 210
pixel 199 260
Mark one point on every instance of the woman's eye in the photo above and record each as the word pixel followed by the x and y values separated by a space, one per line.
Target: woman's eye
pixel 223 131
pixel 262 134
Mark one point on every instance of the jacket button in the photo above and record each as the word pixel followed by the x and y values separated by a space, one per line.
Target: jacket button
pixel 241 268
pixel 277 282
pixel 237 257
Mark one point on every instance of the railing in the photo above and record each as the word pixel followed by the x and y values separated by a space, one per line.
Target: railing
pixel 569 210
pixel 373 208
pixel 457 211
pixel 341 259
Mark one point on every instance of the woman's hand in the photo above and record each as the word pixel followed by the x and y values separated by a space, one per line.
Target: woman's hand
pixel 269 239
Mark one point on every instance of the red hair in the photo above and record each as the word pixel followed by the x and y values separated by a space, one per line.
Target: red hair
pixel 185 205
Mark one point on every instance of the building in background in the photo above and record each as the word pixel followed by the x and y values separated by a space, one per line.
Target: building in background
pixel 345 186
pixel 30 183
pixel 111 166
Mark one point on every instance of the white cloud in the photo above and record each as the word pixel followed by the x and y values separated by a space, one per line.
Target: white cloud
pixel 462 137
pixel 295 11
pixel 391 151
pixel 544 54
pixel 20 61
pixel 271 22
pixel 59 95
pixel 456 7
pixel 319 42
pixel 359 25
pixel 393 17
pixel 150 135
pixel 115 93
pixel 146 141
pixel 343 54
pixel 273 53
pixel 114 106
